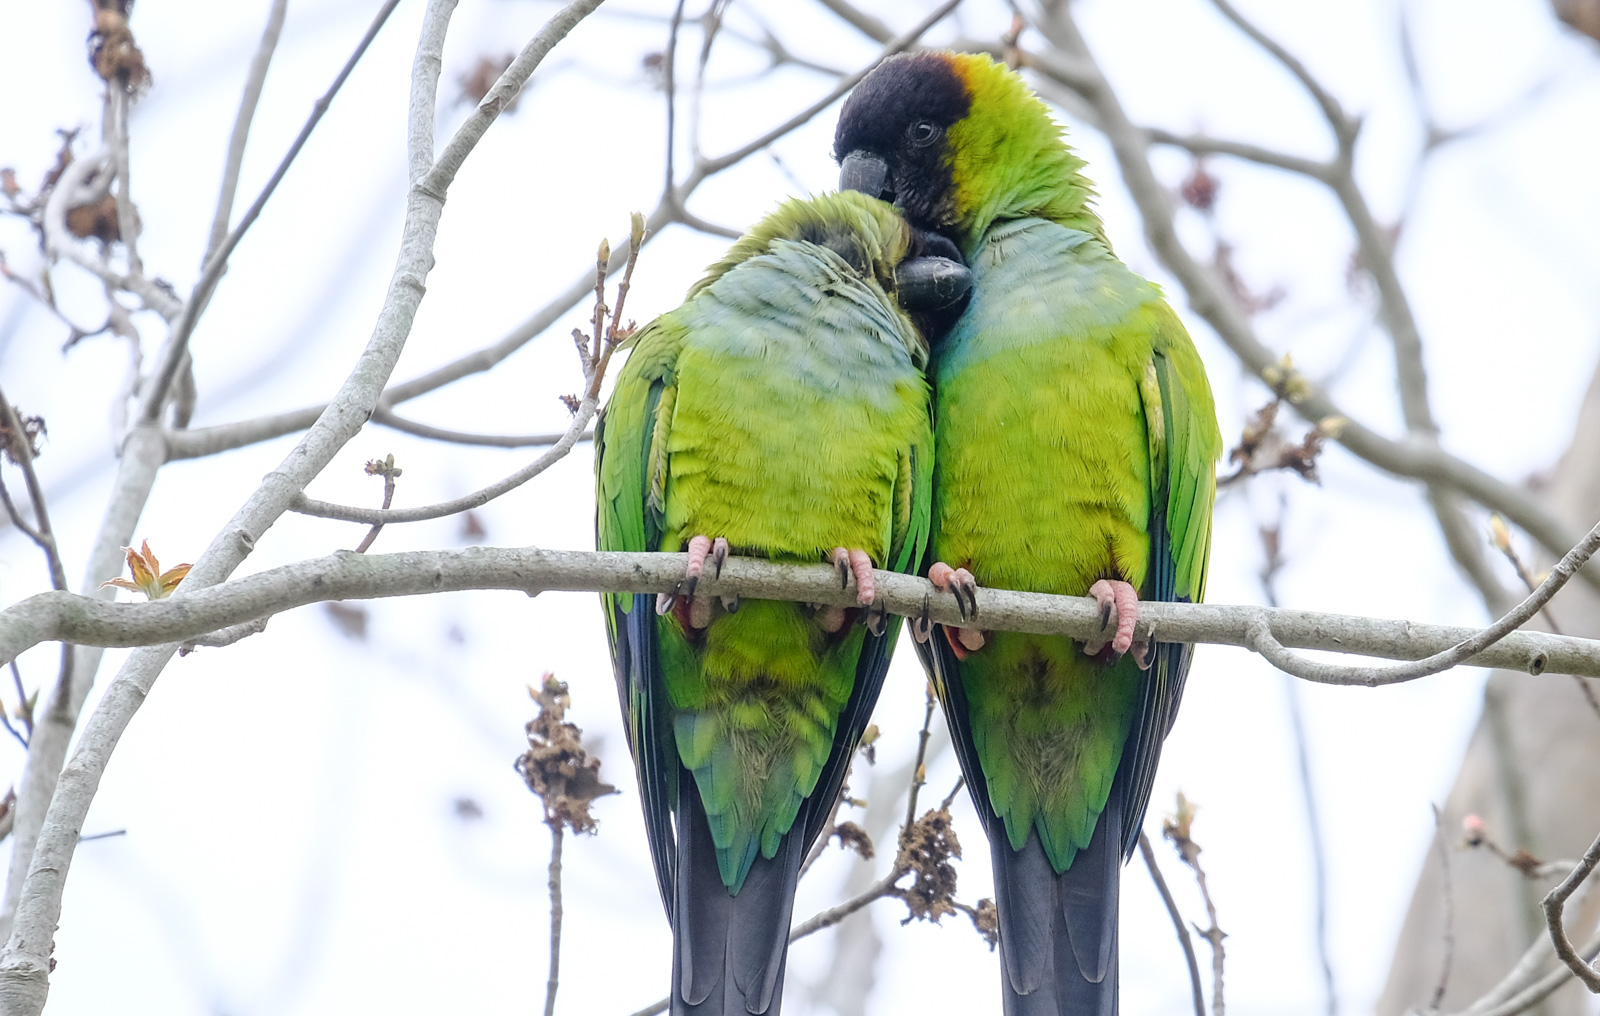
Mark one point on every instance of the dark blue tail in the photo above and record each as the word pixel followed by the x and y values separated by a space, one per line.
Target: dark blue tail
pixel 1058 933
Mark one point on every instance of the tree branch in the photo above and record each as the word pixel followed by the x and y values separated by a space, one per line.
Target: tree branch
pixel 177 345
pixel 1177 922
pixel 1261 640
pixel 254 82
pixel 346 575
pixel 1555 903
pixel 406 426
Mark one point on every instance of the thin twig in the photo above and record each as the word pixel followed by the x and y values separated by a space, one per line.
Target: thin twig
pixel 919 772
pixel 669 74
pixel 1261 639
pixel 1500 536
pixel 1449 912
pixel 24 707
pixel 387 470
pixel 21 452
pixel 1178 829
pixel 950 798
pixel 254 82
pixel 1177 923
pixel 408 426
pixel 1555 903
pixel 177 345
pixel 555 918
pixel 1272 549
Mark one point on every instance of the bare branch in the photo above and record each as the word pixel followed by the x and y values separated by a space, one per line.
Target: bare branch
pixel 1177 923
pixel 1261 639
pixel 1199 144
pixel 1344 126
pixel 1555 903
pixel 407 426
pixel 1178 829
pixel 1449 912
pixel 344 575
pixel 254 82
pixel 555 919
pixel 19 449
pixel 177 346
pixel 224 637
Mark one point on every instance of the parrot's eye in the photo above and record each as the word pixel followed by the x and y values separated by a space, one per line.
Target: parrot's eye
pixel 923 132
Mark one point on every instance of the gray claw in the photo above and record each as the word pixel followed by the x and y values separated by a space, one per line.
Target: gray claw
pixel 730 604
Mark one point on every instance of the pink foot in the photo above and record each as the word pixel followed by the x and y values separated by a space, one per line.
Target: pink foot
pixel 701 548
pixel 1115 596
pixel 855 563
pixel 830 619
pixel 960 584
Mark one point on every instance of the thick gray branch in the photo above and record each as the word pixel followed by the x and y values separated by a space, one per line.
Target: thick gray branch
pixel 349 576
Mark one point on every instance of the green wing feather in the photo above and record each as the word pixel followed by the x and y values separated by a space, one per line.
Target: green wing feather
pixel 704 434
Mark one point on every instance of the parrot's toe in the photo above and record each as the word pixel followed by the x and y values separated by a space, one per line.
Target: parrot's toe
pixel 699 549
pixel 1115 596
pixel 1142 654
pixel 665 603
pixel 719 554
pixel 730 604
pixel 855 563
pixel 960 584
pixel 830 619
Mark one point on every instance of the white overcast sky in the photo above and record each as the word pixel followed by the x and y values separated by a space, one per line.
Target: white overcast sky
pixel 293 844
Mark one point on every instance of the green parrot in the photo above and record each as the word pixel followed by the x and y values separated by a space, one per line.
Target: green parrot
pixel 781 412
pixel 1075 452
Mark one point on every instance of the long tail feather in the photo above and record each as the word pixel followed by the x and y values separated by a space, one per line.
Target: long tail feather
pixel 1058 933
pixel 729 951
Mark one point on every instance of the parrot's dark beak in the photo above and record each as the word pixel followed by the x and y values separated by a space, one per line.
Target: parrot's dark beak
pixel 865 172
pixel 932 283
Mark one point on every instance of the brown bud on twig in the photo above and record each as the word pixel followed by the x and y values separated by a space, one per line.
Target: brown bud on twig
pixel 1199 188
